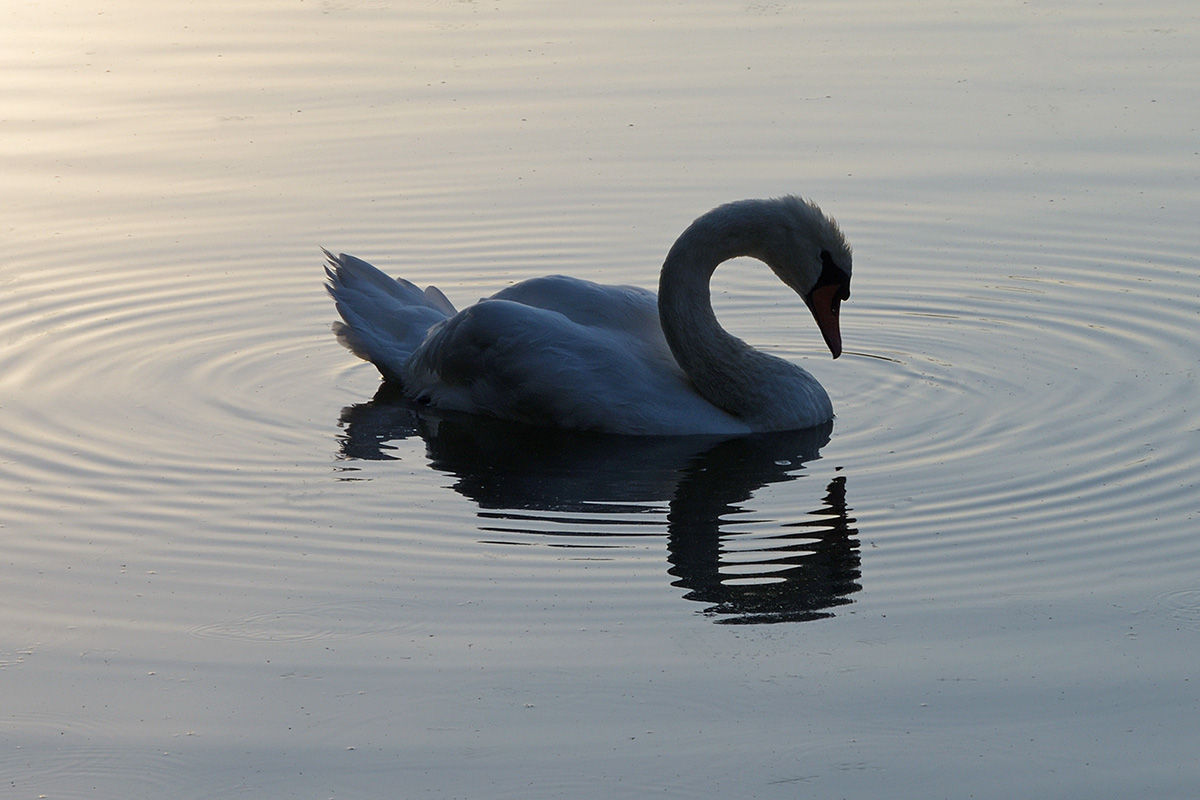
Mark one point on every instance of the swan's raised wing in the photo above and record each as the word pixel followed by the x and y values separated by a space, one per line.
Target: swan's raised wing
pixel 385 318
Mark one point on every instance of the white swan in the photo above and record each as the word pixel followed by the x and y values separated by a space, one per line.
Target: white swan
pixel 573 354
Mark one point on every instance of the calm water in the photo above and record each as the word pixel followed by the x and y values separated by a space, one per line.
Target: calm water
pixel 231 569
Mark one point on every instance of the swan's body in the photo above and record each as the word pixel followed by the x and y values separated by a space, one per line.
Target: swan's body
pixel 573 354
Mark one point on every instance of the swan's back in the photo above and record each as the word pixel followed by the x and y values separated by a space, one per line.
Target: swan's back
pixel 564 353
pixel 618 308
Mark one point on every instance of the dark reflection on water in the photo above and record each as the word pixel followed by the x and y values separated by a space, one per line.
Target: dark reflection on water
pixel 810 566
pixel 565 485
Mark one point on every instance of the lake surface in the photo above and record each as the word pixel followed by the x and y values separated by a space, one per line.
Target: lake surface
pixel 231 568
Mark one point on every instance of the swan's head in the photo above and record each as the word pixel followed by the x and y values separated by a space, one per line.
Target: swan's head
pixel 804 248
pixel 808 252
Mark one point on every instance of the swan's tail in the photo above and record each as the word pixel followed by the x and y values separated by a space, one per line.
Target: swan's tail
pixel 384 318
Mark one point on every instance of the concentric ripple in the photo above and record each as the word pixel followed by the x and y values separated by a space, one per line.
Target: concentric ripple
pixel 1006 417
pixel 1035 413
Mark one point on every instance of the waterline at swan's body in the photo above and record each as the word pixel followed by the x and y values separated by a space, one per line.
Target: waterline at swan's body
pixel 570 353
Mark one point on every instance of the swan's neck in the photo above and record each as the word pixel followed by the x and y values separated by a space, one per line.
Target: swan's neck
pixel 725 370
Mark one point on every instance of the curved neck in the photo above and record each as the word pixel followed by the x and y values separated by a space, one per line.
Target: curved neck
pixel 723 368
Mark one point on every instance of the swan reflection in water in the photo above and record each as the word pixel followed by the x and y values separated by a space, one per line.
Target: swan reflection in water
pixel 752 571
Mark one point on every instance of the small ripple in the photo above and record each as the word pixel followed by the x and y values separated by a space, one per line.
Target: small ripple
pixel 70 757
pixel 330 621
pixel 1184 606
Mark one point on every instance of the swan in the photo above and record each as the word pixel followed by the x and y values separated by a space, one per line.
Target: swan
pixel 572 354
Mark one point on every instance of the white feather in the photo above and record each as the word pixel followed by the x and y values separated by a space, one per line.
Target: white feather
pixel 570 353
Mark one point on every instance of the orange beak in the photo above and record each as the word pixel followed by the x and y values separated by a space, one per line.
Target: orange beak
pixel 825 303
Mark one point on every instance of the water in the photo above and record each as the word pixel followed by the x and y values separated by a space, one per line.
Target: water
pixel 231 569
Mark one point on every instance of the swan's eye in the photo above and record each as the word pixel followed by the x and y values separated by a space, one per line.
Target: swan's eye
pixel 833 275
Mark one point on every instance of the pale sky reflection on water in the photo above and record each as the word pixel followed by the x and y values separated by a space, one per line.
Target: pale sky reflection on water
pixel 230 568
